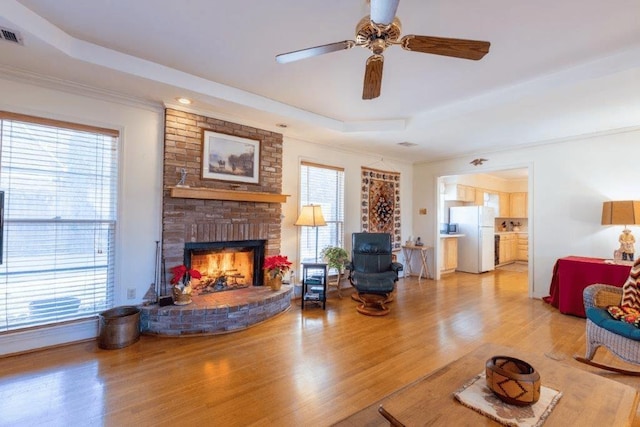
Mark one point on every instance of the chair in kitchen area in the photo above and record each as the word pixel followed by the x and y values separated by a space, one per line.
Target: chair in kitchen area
pixel 372 271
pixel 619 337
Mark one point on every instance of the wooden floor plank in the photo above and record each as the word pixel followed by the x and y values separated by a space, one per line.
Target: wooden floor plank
pixel 310 367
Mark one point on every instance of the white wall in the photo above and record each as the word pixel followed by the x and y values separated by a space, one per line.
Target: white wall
pixel 140 204
pixel 141 129
pixel 296 151
pixel 568 182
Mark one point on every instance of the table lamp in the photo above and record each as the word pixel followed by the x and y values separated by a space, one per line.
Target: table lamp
pixel 623 212
pixel 311 216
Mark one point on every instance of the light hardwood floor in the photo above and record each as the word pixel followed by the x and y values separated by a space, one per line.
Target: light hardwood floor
pixel 308 368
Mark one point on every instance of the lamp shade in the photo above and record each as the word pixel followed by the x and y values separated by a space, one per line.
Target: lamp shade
pixel 311 216
pixel 622 212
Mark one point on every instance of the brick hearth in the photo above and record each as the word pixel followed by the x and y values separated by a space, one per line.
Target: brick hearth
pixel 216 313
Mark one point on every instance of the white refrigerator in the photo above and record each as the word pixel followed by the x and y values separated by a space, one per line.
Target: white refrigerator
pixel 476 249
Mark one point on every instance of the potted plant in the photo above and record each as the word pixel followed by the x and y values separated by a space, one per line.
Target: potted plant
pixel 181 283
pixel 276 266
pixel 335 257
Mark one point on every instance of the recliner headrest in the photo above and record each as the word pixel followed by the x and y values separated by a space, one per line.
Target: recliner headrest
pixel 372 243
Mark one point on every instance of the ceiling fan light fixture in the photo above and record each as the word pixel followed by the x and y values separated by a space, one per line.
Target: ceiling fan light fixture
pixel 378 46
pixel 478 162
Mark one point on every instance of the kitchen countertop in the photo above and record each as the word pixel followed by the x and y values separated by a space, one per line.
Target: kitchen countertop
pixel 512 232
pixel 444 236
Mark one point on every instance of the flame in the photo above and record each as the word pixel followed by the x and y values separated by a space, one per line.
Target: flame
pixel 236 264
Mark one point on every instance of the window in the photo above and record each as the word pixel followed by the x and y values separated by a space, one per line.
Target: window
pixel 324 186
pixel 60 185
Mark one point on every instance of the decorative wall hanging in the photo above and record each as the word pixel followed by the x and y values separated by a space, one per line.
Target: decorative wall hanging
pixel 381 203
pixel 230 158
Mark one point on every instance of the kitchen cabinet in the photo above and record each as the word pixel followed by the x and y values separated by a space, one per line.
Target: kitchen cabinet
pixel 449 251
pixel 512 205
pixel 518 205
pixel 458 192
pixel 522 252
pixel 480 197
pixel 513 248
pixel 508 248
pixel 505 205
pixel 502 253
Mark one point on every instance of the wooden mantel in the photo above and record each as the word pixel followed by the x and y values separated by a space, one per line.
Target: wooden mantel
pixel 215 194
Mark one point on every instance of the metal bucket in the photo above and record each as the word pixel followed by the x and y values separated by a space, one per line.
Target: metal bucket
pixel 119 327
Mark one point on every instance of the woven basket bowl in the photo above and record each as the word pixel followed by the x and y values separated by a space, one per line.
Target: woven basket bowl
pixel 513 380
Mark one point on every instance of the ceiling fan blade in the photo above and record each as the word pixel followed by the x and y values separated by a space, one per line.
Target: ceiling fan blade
pixel 459 48
pixel 383 11
pixel 373 77
pixel 284 58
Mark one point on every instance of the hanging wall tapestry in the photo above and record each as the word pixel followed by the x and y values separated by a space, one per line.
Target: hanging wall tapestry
pixel 381 203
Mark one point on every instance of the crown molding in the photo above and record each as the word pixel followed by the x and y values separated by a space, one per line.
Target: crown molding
pixel 48 82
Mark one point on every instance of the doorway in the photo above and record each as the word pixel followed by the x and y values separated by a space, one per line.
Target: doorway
pixel 509 193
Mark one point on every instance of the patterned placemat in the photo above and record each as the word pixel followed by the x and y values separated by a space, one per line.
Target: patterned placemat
pixel 476 395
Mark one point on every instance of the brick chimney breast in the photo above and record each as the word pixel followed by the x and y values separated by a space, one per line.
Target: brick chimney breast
pixel 197 220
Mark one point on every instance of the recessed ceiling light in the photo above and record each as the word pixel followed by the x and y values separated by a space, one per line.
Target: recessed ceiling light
pixel 282 125
pixel 185 101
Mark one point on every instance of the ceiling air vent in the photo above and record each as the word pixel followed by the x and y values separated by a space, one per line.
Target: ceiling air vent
pixel 407 144
pixel 10 36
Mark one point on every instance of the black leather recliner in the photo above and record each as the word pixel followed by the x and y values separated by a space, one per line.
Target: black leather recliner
pixel 372 271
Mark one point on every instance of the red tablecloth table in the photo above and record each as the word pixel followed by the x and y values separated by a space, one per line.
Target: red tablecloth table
pixel 572 274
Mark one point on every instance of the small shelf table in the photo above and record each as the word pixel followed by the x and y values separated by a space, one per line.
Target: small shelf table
pixel 314 284
pixel 408 251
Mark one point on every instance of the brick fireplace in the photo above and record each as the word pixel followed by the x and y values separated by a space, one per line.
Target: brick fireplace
pixel 208 220
pixel 215 212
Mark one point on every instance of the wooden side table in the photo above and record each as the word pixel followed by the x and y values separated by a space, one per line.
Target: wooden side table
pixel 336 283
pixel 408 251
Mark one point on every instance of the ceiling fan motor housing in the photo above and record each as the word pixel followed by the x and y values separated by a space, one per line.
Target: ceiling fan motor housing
pixel 377 38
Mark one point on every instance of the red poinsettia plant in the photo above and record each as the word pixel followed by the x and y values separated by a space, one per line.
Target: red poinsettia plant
pixel 182 275
pixel 277 265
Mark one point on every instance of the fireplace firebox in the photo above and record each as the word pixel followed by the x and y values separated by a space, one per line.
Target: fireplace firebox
pixel 226 265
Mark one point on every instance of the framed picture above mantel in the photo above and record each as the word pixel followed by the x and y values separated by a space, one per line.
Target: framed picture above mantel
pixel 230 158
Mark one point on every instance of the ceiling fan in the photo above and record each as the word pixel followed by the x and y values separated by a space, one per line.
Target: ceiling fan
pixel 381 29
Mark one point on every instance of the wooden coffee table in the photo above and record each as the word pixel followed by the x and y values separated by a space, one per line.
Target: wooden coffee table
pixel 588 399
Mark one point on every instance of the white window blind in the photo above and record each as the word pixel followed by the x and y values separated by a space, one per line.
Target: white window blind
pixel 322 185
pixel 60 191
